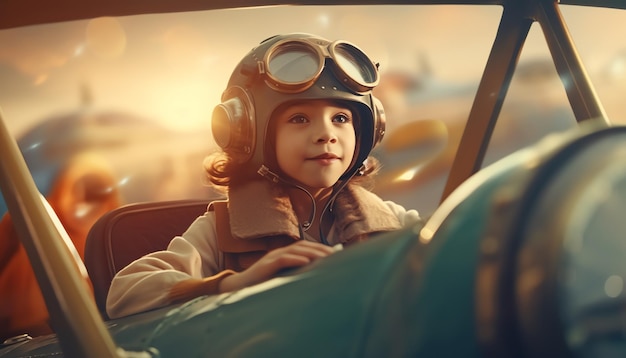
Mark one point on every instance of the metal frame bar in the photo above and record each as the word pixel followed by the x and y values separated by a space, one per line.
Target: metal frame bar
pixel 580 91
pixel 73 313
pixel 517 17
pixel 510 38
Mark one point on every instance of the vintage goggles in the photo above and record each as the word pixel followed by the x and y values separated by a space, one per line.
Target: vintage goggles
pixel 293 65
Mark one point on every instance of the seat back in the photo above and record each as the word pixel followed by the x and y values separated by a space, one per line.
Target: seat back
pixel 131 231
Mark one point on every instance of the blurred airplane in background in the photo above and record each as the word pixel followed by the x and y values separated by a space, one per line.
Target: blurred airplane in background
pixel 427 115
pixel 86 163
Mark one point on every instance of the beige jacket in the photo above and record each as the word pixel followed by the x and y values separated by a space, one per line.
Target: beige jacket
pixel 261 218
pixel 358 213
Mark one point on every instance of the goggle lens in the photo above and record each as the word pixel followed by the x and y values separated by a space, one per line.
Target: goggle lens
pixel 294 64
pixel 355 64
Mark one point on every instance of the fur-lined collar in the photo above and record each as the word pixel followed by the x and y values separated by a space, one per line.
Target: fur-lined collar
pixel 261 209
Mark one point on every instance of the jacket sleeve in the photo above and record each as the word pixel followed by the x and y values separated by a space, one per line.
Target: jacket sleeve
pixel 406 217
pixel 146 282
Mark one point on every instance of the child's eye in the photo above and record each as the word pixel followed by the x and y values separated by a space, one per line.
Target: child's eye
pixel 298 119
pixel 341 118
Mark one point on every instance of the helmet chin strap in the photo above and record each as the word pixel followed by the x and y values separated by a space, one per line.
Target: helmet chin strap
pixel 275 178
pixel 329 205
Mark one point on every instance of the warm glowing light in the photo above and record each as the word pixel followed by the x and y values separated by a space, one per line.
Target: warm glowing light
pixel 123 181
pixel 79 50
pixel 409 174
pixel 40 79
pixel 106 37
pixel 323 20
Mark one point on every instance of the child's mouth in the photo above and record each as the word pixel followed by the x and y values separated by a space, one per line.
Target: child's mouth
pixel 325 159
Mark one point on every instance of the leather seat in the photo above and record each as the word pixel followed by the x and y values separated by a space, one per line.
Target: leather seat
pixel 131 231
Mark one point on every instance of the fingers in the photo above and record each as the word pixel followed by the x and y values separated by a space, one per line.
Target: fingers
pixel 297 254
pixel 288 260
pixel 310 249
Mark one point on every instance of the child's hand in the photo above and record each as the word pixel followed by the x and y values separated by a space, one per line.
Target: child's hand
pixel 297 254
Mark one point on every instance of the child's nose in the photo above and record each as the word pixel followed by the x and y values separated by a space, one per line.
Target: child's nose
pixel 329 139
pixel 326 133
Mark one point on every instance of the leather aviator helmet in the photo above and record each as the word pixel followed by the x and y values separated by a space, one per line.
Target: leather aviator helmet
pixel 295 67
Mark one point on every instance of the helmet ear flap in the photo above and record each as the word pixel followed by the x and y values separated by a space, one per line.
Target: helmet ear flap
pixel 233 124
pixel 380 121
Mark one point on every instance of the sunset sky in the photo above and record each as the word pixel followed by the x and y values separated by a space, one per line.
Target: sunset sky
pixel 172 68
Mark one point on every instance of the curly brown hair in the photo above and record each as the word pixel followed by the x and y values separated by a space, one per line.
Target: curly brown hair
pixel 223 170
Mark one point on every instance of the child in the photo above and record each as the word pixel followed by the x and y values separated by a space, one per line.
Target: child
pixel 296 124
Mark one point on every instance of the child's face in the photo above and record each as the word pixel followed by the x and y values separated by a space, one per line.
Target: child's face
pixel 315 142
